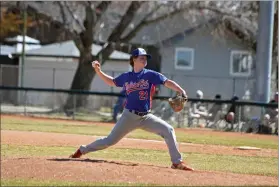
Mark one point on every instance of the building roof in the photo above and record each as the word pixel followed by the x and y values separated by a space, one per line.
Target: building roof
pixel 6 49
pixel 19 38
pixel 69 49
pixel 16 47
pixel 180 36
pixel 156 33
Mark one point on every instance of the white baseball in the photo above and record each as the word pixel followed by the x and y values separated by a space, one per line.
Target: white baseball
pixel 95 64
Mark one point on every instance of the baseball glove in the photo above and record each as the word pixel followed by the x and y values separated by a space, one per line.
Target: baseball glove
pixel 177 103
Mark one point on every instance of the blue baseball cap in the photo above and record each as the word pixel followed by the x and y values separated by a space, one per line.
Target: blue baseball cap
pixel 140 52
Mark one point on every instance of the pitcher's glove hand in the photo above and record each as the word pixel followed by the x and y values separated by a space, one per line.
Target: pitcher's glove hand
pixel 177 103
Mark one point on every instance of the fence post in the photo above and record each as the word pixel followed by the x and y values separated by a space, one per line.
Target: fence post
pixel 53 86
pixel 75 103
pixel 239 117
pixel 25 102
pixel 53 78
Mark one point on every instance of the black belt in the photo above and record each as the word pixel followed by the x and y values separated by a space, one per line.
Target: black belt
pixel 139 113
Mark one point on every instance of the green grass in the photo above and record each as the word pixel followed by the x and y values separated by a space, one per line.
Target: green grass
pixel 78 116
pixel 66 127
pixel 24 182
pixel 227 163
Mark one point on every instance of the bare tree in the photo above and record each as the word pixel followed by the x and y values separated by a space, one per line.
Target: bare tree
pixel 120 22
pixel 84 74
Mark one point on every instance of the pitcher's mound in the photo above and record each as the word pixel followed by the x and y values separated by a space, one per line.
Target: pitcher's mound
pixel 89 170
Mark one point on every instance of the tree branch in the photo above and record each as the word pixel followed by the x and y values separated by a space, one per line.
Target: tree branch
pixel 275 30
pixel 101 8
pixel 73 16
pixel 76 37
pixel 78 41
pixel 197 7
pixel 169 15
pixel 62 12
pixel 250 41
pixel 87 35
pixel 119 29
pixel 132 34
pixel 223 12
pixel 126 20
pixel 146 22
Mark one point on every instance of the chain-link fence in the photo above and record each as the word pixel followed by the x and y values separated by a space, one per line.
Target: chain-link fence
pixel 51 104
pixel 102 107
pixel 61 78
pixel 46 77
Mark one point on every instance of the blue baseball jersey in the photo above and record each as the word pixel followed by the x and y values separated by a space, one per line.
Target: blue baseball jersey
pixel 138 88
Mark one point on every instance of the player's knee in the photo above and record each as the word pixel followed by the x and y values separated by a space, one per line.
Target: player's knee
pixel 168 132
pixel 110 141
pixel 171 130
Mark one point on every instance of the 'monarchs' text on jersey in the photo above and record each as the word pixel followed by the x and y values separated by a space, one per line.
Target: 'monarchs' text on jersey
pixel 138 88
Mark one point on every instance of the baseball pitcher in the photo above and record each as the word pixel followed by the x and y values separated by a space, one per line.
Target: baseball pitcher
pixel 136 115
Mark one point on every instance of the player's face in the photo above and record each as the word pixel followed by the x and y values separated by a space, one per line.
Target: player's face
pixel 141 61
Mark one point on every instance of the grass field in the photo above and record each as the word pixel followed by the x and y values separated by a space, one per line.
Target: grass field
pixel 22 182
pixel 262 166
pixel 72 128
pixel 228 163
pixel 78 116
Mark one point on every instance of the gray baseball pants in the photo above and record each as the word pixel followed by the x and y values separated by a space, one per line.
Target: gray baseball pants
pixel 129 122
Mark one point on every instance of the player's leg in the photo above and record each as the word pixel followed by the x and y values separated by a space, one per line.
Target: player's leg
pixel 127 123
pixel 117 108
pixel 274 125
pixel 158 126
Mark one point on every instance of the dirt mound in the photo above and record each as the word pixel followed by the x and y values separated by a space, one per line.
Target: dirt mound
pixel 87 170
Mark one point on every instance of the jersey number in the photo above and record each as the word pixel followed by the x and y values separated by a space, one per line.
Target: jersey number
pixel 143 95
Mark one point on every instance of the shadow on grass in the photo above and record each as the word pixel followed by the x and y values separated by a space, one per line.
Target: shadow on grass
pixel 100 161
pixel 91 160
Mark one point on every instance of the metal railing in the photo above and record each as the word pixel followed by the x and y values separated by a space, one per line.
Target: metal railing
pixel 100 106
pixel 62 78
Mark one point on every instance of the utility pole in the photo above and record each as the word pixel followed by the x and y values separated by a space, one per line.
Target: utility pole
pixel 23 43
pixel 264 51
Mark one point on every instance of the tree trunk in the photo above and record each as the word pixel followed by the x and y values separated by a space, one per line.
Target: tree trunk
pixel 275 27
pixel 84 74
pixel 81 81
pixel 274 49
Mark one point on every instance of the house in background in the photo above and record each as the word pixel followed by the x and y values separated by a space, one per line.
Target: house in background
pixel 190 54
pixel 31 43
pixel 9 66
pixel 199 59
pixel 8 71
pixel 54 66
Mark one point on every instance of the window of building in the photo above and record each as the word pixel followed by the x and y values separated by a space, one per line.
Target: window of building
pixel 184 58
pixel 241 63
